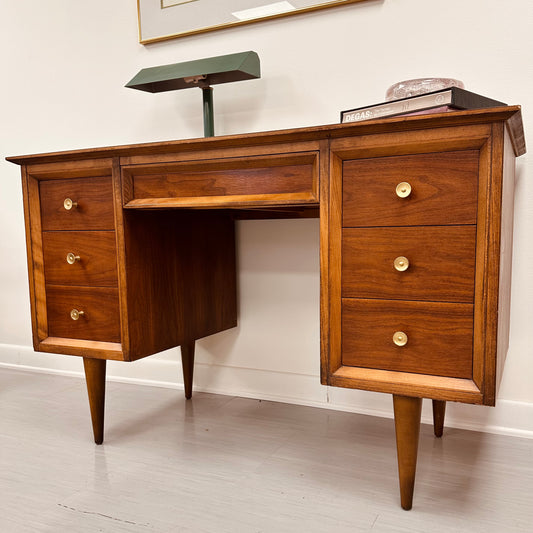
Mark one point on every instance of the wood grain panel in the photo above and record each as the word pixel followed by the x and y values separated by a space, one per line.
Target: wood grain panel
pixel 180 276
pixel 444 190
pixel 407 383
pixel 506 251
pixel 399 142
pixel 97 251
pixel 439 336
pixel 100 321
pixel 493 278
pixel 282 174
pixel 84 348
pixel 214 151
pixel 334 311
pixel 121 257
pixel 34 247
pixel 325 214
pixel 441 263
pixel 95 204
pixel 81 167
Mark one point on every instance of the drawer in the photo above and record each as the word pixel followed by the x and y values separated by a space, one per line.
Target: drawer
pixel 100 320
pixel 439 336
pixel 282 179
pixel 96 250
pixel 94 199
pixel 440 263
pixel 443 190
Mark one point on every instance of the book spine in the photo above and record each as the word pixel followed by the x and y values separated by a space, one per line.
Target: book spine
pixel 398 107
pixel 467 100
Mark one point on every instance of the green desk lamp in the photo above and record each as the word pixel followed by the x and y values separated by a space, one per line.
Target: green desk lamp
pixel 200 73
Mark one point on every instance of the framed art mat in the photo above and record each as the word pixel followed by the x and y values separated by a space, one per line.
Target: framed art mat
pixel 161 20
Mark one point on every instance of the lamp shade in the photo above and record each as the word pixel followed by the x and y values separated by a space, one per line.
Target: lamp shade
pixel 211 71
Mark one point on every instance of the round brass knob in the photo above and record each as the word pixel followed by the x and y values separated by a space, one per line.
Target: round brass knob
pixel 72 258
pixel 68 204
pixel 75 314
pixel 399 338
pixel 401 263
pixel 403 189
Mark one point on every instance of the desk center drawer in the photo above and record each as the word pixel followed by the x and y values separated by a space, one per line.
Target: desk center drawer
pixel 80 258
pixel 430 263
pixel 280 179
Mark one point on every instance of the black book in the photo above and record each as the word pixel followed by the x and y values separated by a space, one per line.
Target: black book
pixel 450 98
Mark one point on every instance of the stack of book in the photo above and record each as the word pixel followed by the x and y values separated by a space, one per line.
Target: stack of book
pixel 450 99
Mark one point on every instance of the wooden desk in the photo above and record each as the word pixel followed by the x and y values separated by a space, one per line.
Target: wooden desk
pixel 131 250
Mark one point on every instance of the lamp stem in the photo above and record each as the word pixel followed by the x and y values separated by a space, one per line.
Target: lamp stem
pixel 209 119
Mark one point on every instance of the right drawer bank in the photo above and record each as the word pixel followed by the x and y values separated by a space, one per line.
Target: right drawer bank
pixel 408 257
pixel 415 263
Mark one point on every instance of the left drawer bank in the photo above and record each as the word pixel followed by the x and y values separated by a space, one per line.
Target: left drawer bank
pixel 72 258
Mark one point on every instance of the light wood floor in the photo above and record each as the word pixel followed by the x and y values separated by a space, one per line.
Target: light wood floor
pixel 222 464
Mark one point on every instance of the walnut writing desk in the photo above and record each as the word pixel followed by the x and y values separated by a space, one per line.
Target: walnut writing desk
pixel 131 251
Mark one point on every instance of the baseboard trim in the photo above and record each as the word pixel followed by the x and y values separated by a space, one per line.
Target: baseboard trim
pixel 507 418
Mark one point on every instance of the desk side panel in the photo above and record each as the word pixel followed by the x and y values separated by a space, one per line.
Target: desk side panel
pixel 506 253
pixel 32 219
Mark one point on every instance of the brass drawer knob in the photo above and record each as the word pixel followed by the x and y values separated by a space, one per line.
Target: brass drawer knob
pixel 399 338
pixel 68 204
pixel 72 258
pixel 401 263
pixel 75 314
pixel 403 189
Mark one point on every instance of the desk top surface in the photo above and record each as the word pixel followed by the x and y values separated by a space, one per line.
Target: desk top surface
pixel 509 114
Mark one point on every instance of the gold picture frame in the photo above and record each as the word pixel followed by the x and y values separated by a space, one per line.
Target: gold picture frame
pixel 171 3
pixel 162 20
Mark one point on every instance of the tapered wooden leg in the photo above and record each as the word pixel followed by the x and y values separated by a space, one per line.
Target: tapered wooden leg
pixel 407 411
pixel 187 362
pixel 95 378
pixel 439 409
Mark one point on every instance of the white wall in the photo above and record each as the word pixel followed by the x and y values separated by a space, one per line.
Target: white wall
pixel 64 64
